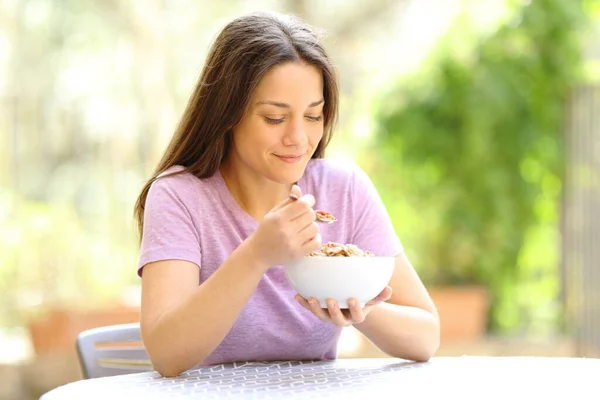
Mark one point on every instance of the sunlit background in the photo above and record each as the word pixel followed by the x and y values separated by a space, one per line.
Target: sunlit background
pixel 478 121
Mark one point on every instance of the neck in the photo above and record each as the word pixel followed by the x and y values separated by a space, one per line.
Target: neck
pixel 255 194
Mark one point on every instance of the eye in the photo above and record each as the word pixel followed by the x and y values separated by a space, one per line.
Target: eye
pixel 273 121
pixel 314 119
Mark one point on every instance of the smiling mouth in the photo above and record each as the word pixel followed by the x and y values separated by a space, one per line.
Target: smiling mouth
pixel 289 158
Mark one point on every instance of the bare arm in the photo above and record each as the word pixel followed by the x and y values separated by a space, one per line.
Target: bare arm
pixel 179 327
pixel 182 322
pixel 407 325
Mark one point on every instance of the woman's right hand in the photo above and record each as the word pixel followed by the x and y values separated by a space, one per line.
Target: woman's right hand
pixel 287 232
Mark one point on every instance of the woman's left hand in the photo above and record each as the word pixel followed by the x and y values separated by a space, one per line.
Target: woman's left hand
pixel 334 315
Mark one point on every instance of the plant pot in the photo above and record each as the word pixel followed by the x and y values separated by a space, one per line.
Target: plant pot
pixel 463 312
pixel 58 330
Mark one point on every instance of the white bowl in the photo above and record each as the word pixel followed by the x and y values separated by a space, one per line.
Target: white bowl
pixel 340 278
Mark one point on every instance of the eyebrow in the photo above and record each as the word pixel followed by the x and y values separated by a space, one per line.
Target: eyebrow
pixel 285 105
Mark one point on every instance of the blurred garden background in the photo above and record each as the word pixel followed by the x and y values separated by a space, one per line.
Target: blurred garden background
pixel 478 121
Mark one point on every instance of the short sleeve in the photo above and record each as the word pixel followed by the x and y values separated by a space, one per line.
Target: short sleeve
pixel 169 232
pixel 373 229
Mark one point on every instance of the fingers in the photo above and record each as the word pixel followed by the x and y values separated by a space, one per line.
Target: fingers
pixel 305 218
pixel 356 313
pixel 313 244
pixel 335 313
pixel 385 295
pixel 303 302
pixel 304 223
pixel 295 194
pixel 308 231
pixel 299 207
pixel 315 308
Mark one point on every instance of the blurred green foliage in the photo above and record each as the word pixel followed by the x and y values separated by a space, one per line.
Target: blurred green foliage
pixel 53 258
pixel 471 160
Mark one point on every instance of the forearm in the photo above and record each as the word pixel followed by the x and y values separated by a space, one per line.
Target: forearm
pixel 405 332
pixel 185 335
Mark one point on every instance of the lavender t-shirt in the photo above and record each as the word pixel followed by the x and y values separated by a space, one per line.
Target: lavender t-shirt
pixel 198 220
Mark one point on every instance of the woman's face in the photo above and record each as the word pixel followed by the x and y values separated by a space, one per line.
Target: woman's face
pixel 283 125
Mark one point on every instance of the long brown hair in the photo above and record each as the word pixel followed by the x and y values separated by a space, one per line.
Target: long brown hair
pixel 245 50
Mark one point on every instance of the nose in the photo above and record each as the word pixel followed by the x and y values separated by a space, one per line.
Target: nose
pixel 295 134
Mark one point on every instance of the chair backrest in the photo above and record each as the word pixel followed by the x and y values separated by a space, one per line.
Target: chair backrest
pixel 112 350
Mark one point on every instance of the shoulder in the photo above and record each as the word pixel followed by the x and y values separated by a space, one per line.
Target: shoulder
pixel 175 180
pixel 173 177
pixel 175 185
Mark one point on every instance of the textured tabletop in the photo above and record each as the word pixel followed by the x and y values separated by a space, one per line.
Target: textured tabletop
pixel 460 377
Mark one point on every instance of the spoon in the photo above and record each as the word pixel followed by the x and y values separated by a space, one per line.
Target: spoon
pixel 322 216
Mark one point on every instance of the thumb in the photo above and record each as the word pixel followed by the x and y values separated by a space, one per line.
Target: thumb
pixel 385 295
pixel 294 195
pixel 296 191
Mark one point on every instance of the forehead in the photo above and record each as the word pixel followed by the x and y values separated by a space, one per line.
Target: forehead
pixel 292 83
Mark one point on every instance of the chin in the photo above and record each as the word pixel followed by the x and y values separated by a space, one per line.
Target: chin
pixel 287 173
pixel 289 176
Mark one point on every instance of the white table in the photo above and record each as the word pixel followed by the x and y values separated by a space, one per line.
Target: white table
pixel 452 377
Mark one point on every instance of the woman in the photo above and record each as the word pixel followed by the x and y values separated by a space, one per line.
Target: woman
pixel 217 221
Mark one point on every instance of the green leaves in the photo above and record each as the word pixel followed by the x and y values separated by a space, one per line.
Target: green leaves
pixel 478 144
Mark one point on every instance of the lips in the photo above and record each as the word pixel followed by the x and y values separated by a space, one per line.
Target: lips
pixel 290 158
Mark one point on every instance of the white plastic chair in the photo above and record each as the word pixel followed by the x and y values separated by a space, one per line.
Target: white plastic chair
pixel 112 350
